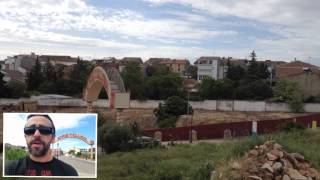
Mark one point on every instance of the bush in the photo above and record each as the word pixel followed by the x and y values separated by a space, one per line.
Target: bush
pixel 203 172
pixel 169 112
pixel 13 154
pixel 113 137
pixel 291 126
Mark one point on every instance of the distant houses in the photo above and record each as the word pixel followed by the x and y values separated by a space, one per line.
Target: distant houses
pixel 307 76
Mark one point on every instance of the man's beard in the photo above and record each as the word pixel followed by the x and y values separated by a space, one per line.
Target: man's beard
pixel 37 151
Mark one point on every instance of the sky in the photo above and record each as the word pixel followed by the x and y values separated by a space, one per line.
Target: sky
pixel 65 123
pixel 277 30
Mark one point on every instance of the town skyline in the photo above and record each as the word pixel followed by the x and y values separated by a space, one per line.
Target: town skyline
pixel 279 31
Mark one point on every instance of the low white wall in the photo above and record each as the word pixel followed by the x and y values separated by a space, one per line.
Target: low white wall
pixel 144 104
pixel 207 104
pixel 225 105
pixel 258 106
pixel 277 107
pixel 312 107
pixel 9 101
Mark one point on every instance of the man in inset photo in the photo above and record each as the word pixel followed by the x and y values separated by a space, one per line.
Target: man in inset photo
pixel 39 133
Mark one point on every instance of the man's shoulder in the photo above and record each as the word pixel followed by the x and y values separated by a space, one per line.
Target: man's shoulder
pixel 71 171
pixel 13 167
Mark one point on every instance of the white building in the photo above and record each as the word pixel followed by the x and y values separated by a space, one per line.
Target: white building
pixel 211 66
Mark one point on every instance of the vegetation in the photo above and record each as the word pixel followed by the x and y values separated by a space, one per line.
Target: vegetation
pixel 198 161
pixel 286 91
pixel 13 154
pixel 168 113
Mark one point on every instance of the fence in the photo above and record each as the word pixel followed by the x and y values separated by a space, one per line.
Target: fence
pixel 217 131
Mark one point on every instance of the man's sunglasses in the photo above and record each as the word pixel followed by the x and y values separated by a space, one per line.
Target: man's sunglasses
pixel 42 129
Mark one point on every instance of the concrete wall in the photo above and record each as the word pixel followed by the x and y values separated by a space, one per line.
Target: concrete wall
pixel 277 107
pixel 207 104
pixel 225 105
pixel 257 106
pixel 312 107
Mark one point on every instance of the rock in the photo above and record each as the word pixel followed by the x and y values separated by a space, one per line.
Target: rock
pixel 277 166
pixel 292 160
pixel 295 175
pixel 277 146
pixel 286 163
pixel 286 177
pixel 271 157
pixel 253 152
pixel 298 157
pixel 277 153
pixel 236 165
pixel 267 167
pixel 255 177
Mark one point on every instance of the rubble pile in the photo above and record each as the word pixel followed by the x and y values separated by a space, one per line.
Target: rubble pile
pixel 270 161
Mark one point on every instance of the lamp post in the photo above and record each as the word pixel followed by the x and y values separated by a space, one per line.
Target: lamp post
pixel 270 69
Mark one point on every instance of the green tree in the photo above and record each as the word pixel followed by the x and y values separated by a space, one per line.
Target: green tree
pixel 4 92
pixel 235 72
pixel 133 80
pixel 216 89
pixel 168 113
pixel 113 137
pixel 287 91
pixel 256 70
pixel 17 89
pixel 35 76
pixel 193 72
pixel 256 90
pixel 163 84
pixel 78 77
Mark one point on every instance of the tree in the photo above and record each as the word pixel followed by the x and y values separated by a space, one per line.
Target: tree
pixel 168 113
pixel 78 77
pixel 193 72
pixel 17 89
pixel 287 91
pixel 216 89
pixel 235 72
pixel 3 89
pixel 113 137
pixel 163 84
pixel 256 90
pixel 256 70
pixel 35 76
pixel 133 80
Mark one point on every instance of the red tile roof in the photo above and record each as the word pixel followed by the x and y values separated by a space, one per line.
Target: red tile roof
pixel 295 68
pixel 174 61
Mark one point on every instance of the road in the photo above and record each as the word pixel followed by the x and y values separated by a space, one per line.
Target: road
pixel 83 167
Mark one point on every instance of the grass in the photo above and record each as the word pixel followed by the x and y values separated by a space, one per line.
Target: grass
pixel 188 162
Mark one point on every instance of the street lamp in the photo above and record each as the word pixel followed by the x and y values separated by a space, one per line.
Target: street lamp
pixel 270 69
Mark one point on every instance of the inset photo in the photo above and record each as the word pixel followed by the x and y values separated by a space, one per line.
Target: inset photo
pixel 49 144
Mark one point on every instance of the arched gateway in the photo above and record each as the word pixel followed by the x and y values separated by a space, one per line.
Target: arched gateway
pixel 110 79
pixel 77 136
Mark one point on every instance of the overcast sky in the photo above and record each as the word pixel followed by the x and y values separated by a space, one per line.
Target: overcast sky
pixel 275 29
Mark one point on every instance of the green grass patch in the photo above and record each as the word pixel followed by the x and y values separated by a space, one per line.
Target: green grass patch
pixel 196 162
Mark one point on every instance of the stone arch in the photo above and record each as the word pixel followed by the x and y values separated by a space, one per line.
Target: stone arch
pixel 109 79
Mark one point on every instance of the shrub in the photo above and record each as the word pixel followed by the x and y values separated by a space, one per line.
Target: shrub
pixel 13 154
pixel 113 137
pixel 291 126
pixel 203 172
pixel 169 112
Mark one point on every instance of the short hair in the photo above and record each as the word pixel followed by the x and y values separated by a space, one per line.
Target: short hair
pixel 46 116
